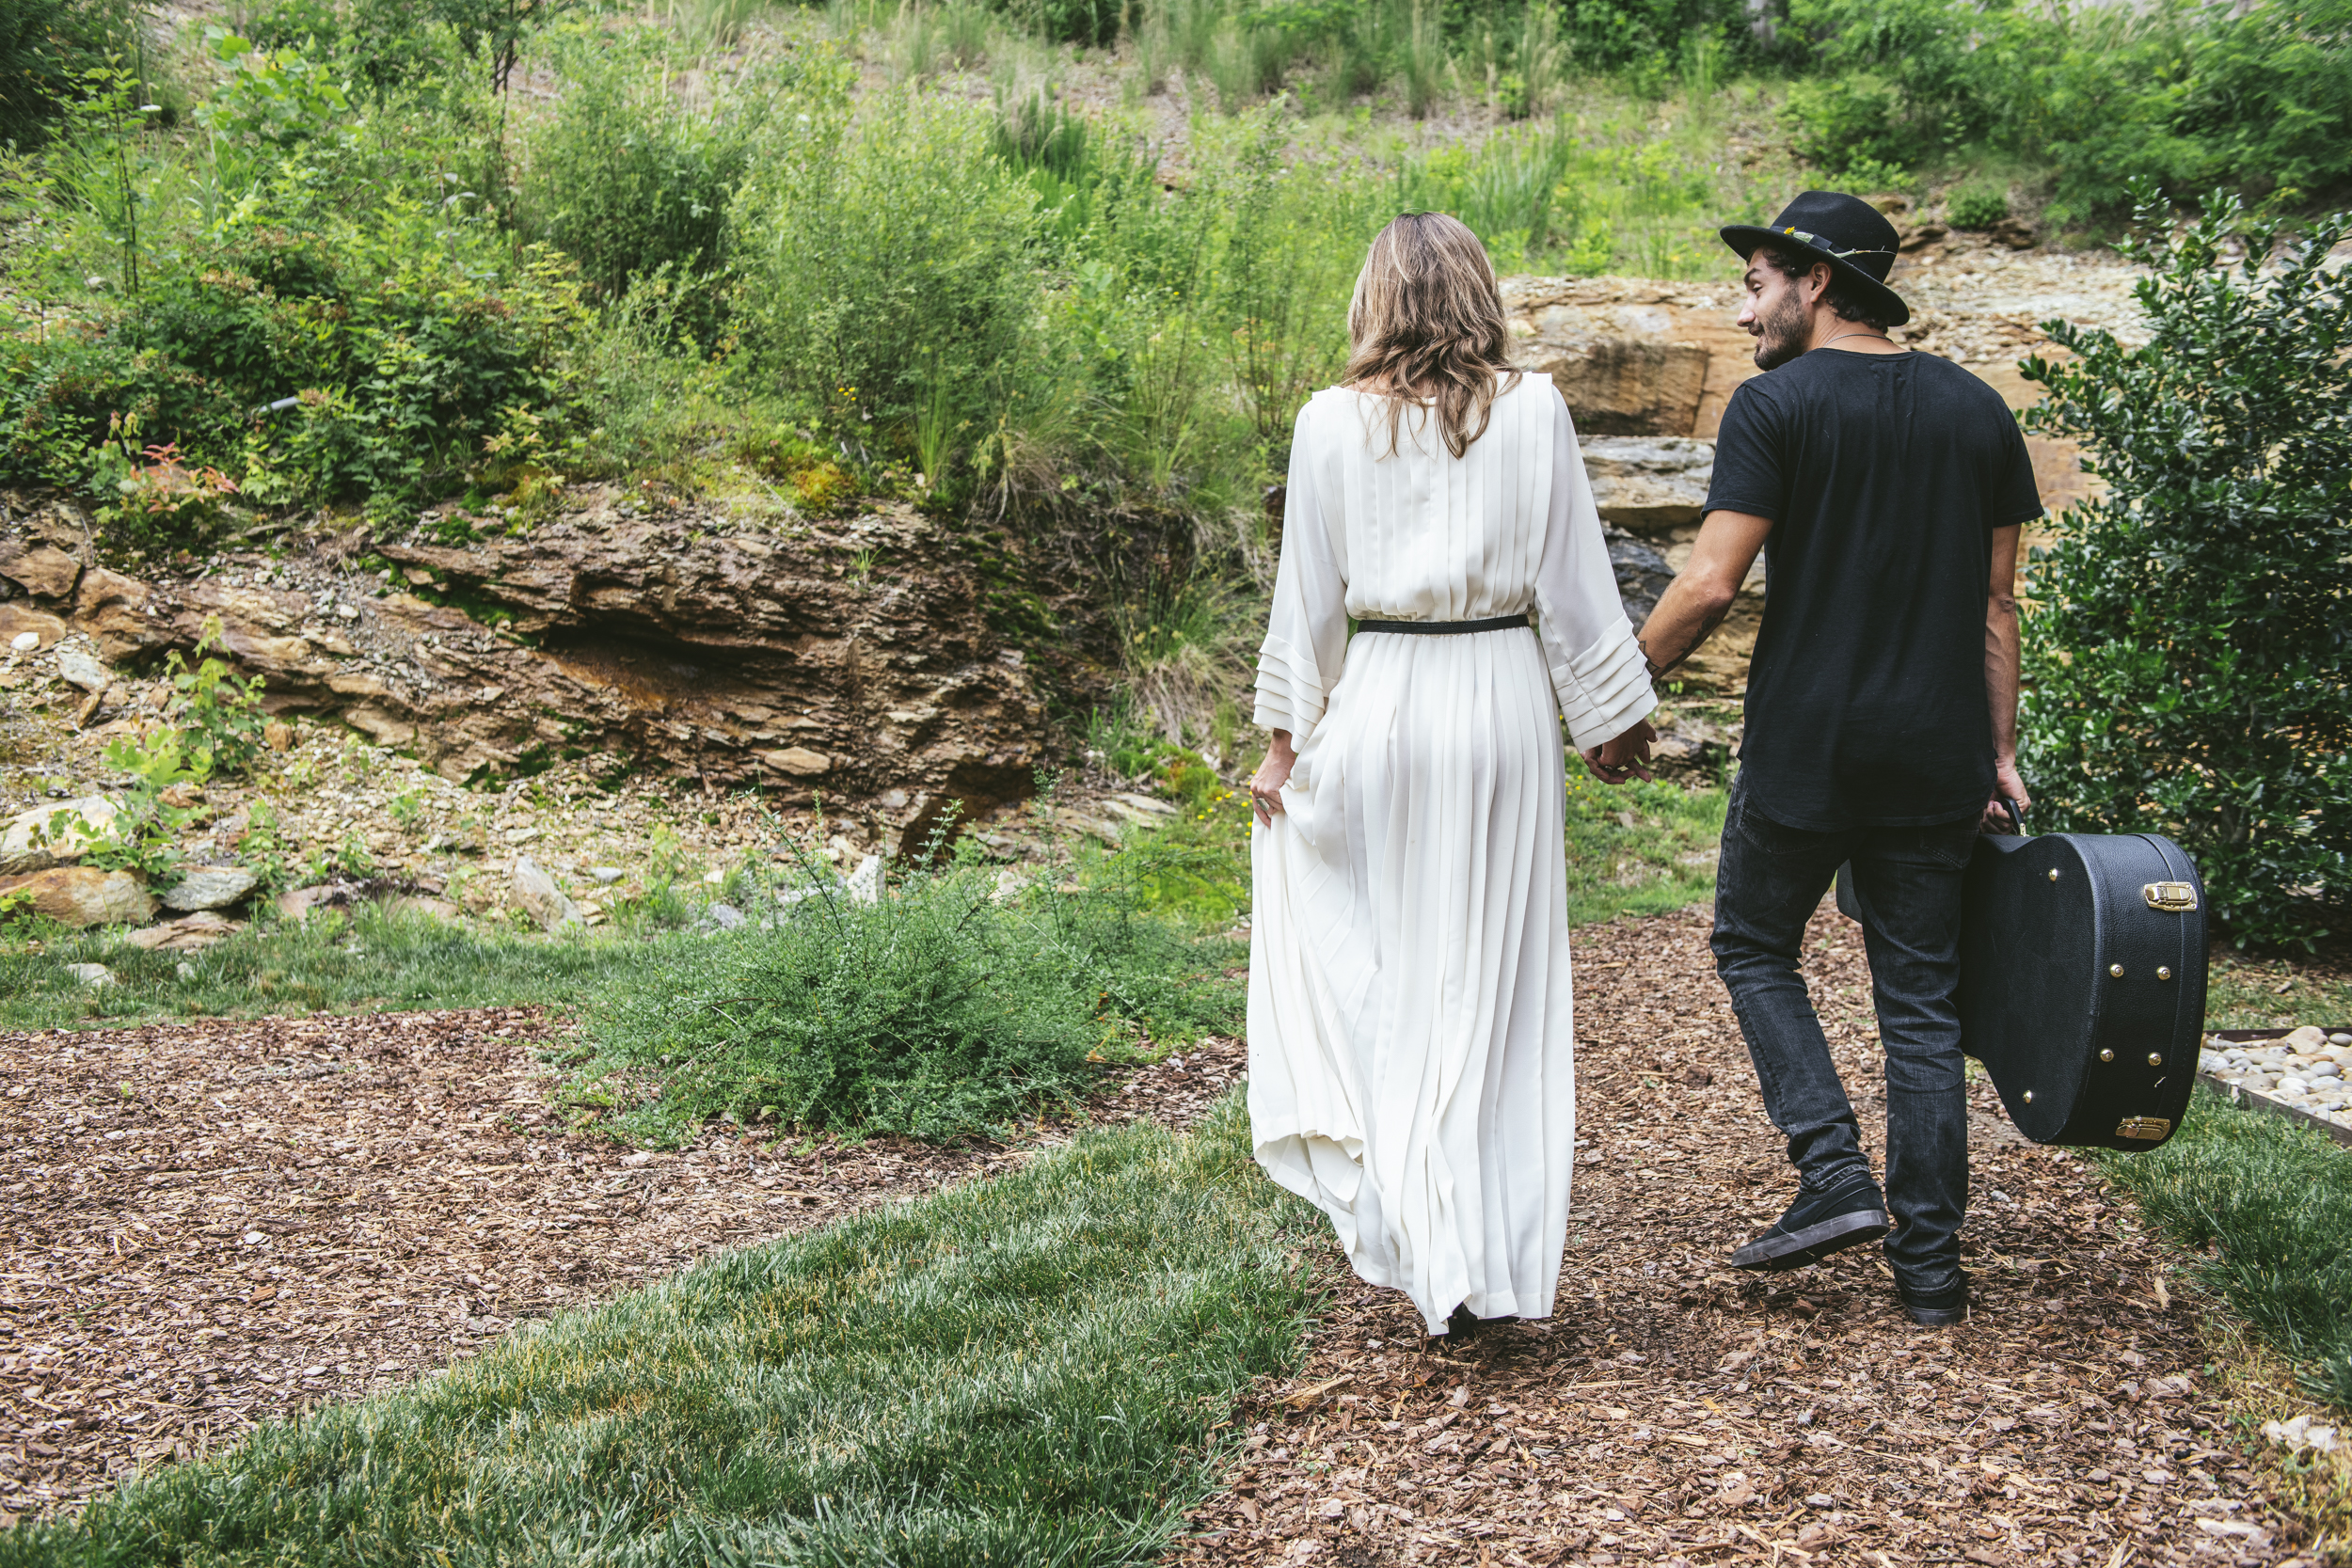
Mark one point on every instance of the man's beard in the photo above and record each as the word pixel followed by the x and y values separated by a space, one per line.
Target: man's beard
pixel 1780 337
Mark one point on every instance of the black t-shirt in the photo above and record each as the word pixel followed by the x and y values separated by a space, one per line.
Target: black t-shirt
pixel 1883 475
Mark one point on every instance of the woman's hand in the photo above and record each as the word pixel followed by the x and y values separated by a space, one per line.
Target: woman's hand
pixel 1265 786
pixel 1626 757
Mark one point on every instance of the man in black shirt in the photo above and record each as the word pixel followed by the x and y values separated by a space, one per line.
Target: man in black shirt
pixel 1887 489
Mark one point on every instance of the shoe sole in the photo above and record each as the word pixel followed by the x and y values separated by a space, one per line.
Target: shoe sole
pixel 1797 1249
pixel 1936 1317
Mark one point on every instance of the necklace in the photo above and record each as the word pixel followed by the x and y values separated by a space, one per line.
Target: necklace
pixel 1880 336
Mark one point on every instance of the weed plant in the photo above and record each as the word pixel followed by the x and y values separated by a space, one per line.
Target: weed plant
pixel 1022 1370
pixel 2266 1205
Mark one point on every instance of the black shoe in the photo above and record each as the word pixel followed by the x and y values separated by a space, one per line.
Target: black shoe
pixel 1462 1321
pixel 1940 1311
pixel 1817 1226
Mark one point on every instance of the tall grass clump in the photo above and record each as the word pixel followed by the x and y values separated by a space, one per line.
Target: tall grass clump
pixel 888 271
pixel 2268 1204
pixel 948 1008
pixel 1022 1370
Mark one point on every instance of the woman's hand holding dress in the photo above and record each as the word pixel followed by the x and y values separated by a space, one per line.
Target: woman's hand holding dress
pixel 1265 786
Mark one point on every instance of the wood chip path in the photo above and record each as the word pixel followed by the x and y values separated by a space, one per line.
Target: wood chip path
pixel 213 1223
pixel 1677 1412
pixel 209 1224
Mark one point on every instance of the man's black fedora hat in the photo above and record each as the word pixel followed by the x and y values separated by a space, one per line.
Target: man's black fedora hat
pixel 1849 233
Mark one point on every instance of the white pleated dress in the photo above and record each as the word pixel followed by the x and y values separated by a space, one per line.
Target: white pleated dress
pixel 1411 1065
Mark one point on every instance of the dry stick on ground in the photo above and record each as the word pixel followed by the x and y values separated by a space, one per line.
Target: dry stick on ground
pixel 1676 1412
pixel 211 1225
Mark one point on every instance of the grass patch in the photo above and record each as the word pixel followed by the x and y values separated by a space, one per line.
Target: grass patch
pixel 945 1010
pixel 2267 1204
pixel 1024 1372
pixel 1640 848
pixel 369 960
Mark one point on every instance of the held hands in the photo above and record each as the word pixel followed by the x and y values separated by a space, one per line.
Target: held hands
pixel 2006 785
pixel 1265 786
pixel 1625 758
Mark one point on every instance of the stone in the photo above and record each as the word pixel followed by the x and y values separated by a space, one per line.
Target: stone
pixel 94 975
pixel 298 903
pixel 545 903
pixel 184 970
pixel 78 666
pixel 50 835
pixel 276 735
pixel 865 885
pixel 1649 484
pixel 188 934
pixel 424 905
pixel 19 621
pixel 605 875
pixel 210 887
pixel 799 761
pixel 82 895
pixel 724 917
pixel 44 571
pixel 1642 573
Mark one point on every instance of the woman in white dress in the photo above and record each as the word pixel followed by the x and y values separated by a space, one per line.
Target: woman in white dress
pixel 1410 1067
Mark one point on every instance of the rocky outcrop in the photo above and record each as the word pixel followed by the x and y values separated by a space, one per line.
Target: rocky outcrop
pixel 853 659
pixel 82 895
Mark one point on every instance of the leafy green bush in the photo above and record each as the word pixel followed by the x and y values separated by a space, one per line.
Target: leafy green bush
pixel 2187 663
pixel 1842 120
pixel 2103 95
pixel 627 178
pixel 45 47
pixel 940 1012
pixel 1977 204
pixel 889 272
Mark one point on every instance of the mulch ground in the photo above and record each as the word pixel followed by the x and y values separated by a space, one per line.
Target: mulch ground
pixel 209 1224
pixel 1676 1411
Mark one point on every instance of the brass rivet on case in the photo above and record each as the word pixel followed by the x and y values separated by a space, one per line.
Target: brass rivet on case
pixel 2155 1058
pixel 2116 970
pixel 2053 873
pixel 2163 974
pixel 2106 1056
pixel 2030 1097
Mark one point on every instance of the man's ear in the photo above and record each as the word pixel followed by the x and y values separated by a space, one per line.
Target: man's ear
pixel 1817 281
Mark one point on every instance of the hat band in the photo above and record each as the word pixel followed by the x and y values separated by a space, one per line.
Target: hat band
pixel 1819 244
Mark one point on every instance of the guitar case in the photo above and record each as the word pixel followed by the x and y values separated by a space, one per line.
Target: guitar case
pixel 2082 982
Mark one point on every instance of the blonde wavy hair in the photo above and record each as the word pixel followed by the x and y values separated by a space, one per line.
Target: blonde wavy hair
pixel 1427 322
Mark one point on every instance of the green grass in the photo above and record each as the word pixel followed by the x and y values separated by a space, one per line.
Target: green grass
pixel 1639 848
pixel 369 961
pixel 1022 1372
pixel 2268 1205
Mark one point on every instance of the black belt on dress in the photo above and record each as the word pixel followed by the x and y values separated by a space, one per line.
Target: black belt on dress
pixel 1446 628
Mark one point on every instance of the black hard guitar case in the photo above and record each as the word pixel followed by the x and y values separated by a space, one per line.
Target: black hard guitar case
pixel 2082 983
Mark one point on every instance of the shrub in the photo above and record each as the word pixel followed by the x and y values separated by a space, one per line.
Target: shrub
pixel 2186 662
pixel 887 267
pixel 627 177
pixel 1977 204
pixel 1848 119
pixel 946 1009
pixel 45 47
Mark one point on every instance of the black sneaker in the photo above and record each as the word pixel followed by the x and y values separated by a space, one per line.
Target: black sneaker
pixel 1940 1311
pixel 1817 1226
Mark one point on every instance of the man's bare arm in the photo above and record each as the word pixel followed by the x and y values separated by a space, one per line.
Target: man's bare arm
pixel 2001 661
pixel 1701 594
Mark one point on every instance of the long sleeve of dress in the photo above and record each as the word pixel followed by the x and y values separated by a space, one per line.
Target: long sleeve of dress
pixel 1596 667
pixel 1306 639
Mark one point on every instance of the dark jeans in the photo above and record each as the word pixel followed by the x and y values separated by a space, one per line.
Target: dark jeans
pixel 1908 880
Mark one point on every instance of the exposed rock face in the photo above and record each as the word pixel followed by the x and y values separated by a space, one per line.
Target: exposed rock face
pixel 85 895
pixel 853 659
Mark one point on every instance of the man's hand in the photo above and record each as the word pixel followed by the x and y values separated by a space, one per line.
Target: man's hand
pixel 2007 785
pixel 1265 786
pixel 1626 757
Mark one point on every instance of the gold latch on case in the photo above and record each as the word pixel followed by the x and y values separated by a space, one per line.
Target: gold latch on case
pixel 2150 1128
pixel 2171 898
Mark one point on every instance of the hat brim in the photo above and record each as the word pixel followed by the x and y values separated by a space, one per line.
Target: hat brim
pixel 1745 237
